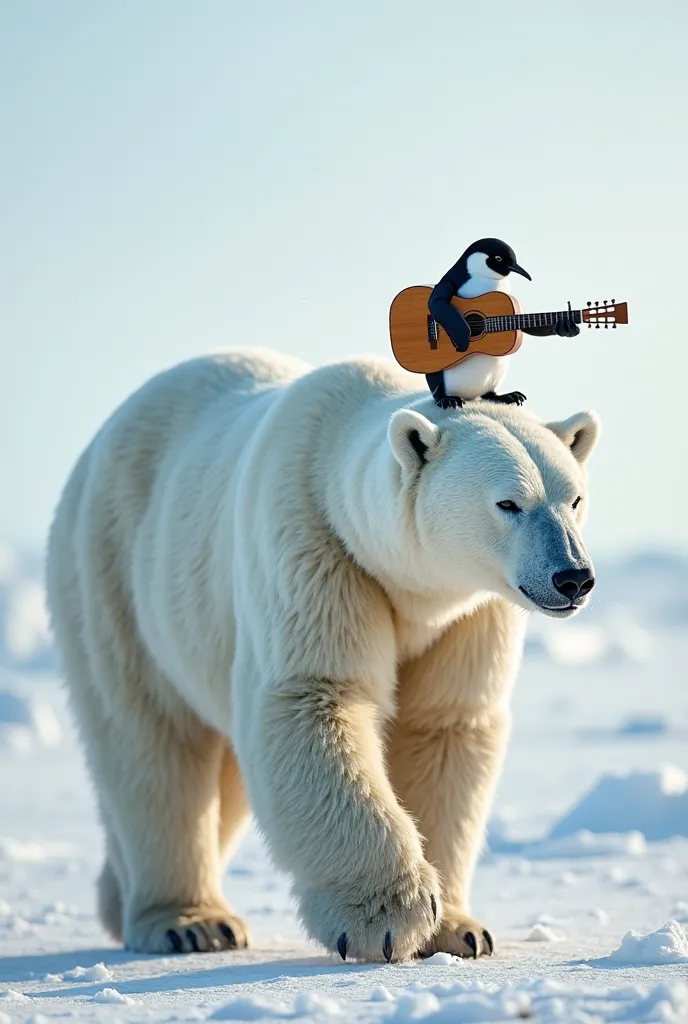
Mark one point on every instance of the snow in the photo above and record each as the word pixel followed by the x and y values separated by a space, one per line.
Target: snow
pixel 542 933
pixel 99 972
pixel 26 723
pixel 642 724
pixel 668 945
pixel 652 803
pixel 584 884
pixel 25 638
pixel 111 995
pixel 586 844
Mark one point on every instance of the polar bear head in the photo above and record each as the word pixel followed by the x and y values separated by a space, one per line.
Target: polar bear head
pixel 492 499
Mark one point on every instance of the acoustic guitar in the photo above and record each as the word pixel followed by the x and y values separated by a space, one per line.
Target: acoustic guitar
pixel 495 319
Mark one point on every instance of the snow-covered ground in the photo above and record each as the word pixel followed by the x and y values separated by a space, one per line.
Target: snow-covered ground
pixel 584 883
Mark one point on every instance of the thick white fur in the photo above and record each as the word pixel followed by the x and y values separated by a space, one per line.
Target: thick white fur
pixel 263 596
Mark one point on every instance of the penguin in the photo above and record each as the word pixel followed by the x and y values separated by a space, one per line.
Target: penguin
pixel 484 267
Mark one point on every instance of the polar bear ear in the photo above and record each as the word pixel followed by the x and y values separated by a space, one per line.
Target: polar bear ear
pixel 412 438
pixel 579 433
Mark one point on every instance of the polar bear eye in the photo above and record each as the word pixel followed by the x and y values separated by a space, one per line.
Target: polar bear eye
pixel 576 502
pixel 508 506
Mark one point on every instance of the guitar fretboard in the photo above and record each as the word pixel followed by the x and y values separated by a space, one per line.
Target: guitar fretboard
pixel 521 321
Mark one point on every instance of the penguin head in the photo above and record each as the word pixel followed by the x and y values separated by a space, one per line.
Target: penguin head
pixel 490 257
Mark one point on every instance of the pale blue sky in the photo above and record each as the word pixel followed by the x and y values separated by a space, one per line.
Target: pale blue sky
pixel 179 176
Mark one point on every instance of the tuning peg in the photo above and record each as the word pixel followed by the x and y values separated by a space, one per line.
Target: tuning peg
pixel 589 325
pixel 597 303
pixel 590 303
pixel 613 326
pixel 597 326
pixel 606 326
pixel 613 302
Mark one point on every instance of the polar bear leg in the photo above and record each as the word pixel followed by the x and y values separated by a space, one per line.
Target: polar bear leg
pixel 322 797
pixel 234 808
pixel 111 885
pixel 157 772
pixel 161 784
pixel 446 750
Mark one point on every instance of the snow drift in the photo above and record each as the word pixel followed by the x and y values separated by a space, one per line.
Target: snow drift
pixel 652 803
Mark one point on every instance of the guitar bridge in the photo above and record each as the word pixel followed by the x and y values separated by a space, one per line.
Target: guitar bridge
pixel 432 332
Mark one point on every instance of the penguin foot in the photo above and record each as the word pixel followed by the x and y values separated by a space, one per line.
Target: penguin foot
pixel 449 402
pixel 512 398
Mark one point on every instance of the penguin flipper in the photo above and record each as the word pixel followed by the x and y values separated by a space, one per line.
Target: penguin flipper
pixel 448 316
pixel 565 327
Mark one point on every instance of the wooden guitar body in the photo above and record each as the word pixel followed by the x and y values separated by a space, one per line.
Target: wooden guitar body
pixel 421 345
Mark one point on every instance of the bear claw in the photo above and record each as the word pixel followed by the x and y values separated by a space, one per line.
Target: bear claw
pixel 228 934
pixel 191 936
pixel 387 947
pixel 489 942
pixel 469 939
pixel 175 941
pixel 341 945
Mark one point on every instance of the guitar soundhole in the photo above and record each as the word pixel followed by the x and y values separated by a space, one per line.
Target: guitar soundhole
pixel 476 322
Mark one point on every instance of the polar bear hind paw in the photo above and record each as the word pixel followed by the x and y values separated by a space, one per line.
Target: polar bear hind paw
pixel 188 932
pixel 461 936
pixel 387 924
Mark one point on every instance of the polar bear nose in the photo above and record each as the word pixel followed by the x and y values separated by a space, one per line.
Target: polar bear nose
pixel 573 583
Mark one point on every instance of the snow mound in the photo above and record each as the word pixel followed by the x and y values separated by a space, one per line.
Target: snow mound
pixel 652 803
pixel 99 972
pixel 26 723
pixel 541 933
pixel 111 995
pixel 250 1008
pixel 586 844
pixel 668 945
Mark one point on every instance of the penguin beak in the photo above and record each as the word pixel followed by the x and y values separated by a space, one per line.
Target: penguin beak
pixel 515 269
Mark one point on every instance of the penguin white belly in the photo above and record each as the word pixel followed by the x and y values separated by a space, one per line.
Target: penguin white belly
pixel 474 376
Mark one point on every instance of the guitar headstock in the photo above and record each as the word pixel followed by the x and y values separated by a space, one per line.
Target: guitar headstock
pixel 605 314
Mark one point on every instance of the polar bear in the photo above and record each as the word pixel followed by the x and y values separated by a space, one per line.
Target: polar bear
pixel 302 592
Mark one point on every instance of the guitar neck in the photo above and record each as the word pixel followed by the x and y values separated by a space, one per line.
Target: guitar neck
pixel 522 321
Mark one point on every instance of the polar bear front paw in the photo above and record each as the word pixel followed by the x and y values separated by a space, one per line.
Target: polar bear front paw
pixel 389 921
pixel 462 936
pixel 187 930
